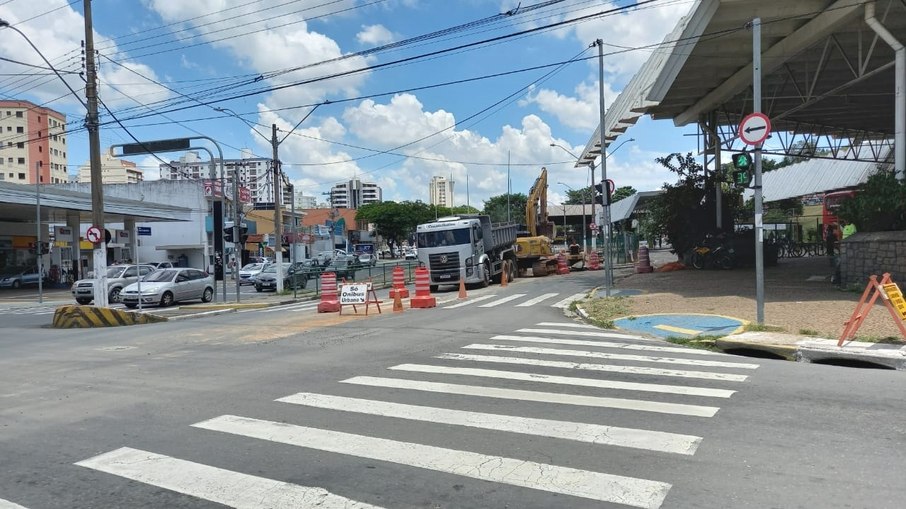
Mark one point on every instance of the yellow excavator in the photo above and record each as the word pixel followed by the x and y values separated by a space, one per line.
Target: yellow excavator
pixel 533 246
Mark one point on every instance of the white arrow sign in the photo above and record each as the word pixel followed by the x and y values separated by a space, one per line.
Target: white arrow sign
pixel 754 129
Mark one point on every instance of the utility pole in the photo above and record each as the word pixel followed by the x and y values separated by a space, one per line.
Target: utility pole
pixel 94 148
pixel 278 223
pixel 608 265
pixel 759 226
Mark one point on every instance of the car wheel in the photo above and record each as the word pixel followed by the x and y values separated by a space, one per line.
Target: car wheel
pixel 83 301
pixel 131 306
pixel 166 300
pixel 208 295
pixel 113 296
pixel 257 288
pixel 17 284
pixel 303 283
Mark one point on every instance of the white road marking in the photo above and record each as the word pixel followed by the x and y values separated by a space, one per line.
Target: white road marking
pixel 552 478
pixel 635 370
pixel 563 304
pixel 590 334
pixel 567 324
pixel 6 504
pixel 567 380
pixel 289 307
pixel 590 433
pixel 606 344
pixel 537 396
pixel 502 301
pixel 540 298
pixel 233 489
pixel 470 301
pixel 613 356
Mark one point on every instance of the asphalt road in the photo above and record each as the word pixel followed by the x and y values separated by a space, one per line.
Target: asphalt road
pixel 444 407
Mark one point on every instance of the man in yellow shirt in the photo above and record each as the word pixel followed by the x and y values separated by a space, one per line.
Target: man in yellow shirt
pixel 848 229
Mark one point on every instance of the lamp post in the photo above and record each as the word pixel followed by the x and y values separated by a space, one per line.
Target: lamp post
pixel 584 225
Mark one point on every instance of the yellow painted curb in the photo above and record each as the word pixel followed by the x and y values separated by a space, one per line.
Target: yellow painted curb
pixel 80 317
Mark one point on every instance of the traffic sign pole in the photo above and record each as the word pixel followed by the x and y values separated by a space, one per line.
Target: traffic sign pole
pixel 759 211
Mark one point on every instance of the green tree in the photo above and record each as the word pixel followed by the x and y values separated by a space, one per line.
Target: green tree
pixel 496 207
pixel 685 212
pixel 464 209
pixel 623 192
pixel 396 222
pixel 580 196
pixel 879 204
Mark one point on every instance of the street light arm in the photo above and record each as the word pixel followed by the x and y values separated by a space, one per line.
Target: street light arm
pixel 4 23
pixel 565 150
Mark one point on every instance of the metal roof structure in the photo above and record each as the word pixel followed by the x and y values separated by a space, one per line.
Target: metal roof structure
pixel 17 204
pixel 828 76
pixel 625 208
pixel 814 176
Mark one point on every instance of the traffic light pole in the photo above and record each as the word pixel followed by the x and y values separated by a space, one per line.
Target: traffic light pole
pixel 759 225
pixel 608 265
pixel 237 235
pixel 38 245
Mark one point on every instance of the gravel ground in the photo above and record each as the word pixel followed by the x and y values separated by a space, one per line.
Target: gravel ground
pixel 798 296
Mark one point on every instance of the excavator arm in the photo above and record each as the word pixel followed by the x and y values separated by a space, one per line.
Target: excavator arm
pixel 536 220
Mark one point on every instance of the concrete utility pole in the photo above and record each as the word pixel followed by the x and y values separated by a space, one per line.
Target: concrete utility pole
pixel 278 223
pixel 759 225
pixel 94 149
pixel 38 244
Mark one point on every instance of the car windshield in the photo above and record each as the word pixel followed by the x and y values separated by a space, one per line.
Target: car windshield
pixel 252 266
pixel 270 270
pixel 114 272
pixel 443 238
pixel 161 276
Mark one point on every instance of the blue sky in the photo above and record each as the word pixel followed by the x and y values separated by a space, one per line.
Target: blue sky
pixel 165 65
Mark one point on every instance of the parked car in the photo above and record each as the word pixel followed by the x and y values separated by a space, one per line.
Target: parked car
pixel 118 277
pixel 248 273
pixel 412 254
pixel 161 265
pixel 368 259
pixel 325 257
pixel 20 276
pixel 344 269
pixel 267 279
pixel 166 286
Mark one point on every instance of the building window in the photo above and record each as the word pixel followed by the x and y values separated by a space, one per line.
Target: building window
pixel 9 160
pixel 20 129
pixel 39 119
pixel 21 176
pixel 18 114
pixel 20 145
pixel 40 148
pixel 21 160
pixel 9 144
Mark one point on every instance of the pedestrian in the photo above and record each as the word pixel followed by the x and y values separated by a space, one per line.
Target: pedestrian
pixel 830 240
pixel 848 229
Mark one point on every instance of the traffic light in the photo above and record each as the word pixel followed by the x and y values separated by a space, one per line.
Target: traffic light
pixel 243 234
pixel 45 248
pixel 602 197
pixel 742 169
pixel 228 234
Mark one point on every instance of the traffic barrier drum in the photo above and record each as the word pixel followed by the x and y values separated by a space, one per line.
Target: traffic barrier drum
pixel 594 263
pixel 423 297
pixel 330 301
pixel 644 264
pixel 562 267
pixel 399 284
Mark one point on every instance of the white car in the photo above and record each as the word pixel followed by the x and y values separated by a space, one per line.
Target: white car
pixel 248 273
pixel 412 254
pixel 166 286
pixel 368 259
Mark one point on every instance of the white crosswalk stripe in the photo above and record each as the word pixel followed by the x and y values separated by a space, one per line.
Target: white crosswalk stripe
pixel 541 397
pixel 576 431
pixel 552 478
pixel 634 370
pixel 563 304
pixel 566 380
pixel 591 334
pixel 613 356
pixel 571 325
pixel 6 504
pixel 225 487
pixel 470 301
pixel 301 306
pixel 504 300
pixel 606 344
pixel 541 298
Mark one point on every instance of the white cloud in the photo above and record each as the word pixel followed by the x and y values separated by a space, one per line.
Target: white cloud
pixel 374 35
pixel 581 112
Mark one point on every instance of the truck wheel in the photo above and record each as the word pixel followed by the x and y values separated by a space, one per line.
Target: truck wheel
pixel 512 272
pixel 486 280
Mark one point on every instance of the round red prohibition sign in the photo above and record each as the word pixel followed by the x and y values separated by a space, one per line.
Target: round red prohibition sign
pixel 754 129
pixel 93 234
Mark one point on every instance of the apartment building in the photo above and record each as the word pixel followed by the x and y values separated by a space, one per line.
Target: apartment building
pixel 113 171
pixel 354 194
pixel 32 144
pixel 440 191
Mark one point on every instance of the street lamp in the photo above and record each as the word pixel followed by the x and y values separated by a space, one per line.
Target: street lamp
pixel 584 245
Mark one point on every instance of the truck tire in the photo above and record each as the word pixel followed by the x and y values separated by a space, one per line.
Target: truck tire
pixel 512 271
pixel 486 280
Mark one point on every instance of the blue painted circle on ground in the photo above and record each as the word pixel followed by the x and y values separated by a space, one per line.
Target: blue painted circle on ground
pixel 681 325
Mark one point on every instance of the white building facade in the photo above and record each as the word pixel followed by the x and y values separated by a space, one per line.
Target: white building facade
pixel 113 171
pixel 354 194
pixel 440 191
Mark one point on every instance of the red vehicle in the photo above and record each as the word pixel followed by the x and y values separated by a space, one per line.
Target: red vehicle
pixel 832 202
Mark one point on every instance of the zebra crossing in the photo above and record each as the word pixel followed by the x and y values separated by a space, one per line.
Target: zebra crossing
pixel 40 309
pixel 484 301
pixel 585 377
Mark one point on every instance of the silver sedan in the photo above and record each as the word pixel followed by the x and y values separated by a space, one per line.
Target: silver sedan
pixel 166 286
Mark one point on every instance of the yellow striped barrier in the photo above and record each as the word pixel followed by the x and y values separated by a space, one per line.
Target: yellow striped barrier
pixel 79 317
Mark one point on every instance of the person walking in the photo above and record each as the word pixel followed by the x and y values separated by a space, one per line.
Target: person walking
pixel 848 229
pixel 830 241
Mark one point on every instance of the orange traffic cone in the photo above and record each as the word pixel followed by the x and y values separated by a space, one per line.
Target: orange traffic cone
pixel 462 288
pixel 397 302
pixel 503 275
